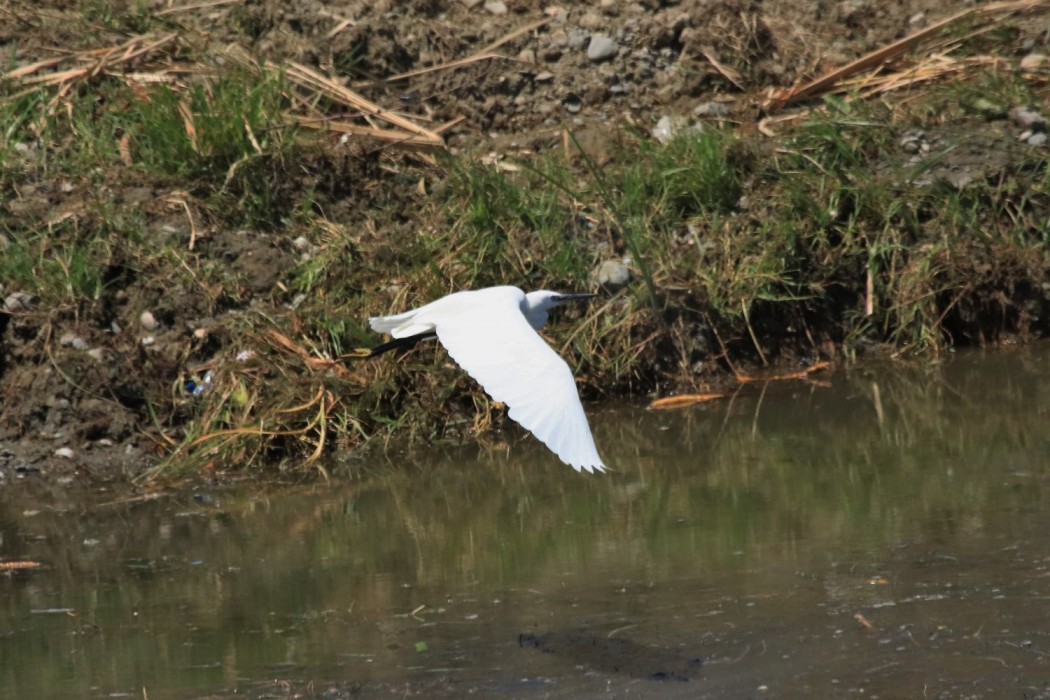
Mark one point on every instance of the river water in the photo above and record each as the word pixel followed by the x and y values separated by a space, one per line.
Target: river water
pixel 881 532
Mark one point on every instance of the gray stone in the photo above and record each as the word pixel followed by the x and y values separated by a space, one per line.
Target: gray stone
pixel 667 127
pixel 19 301
pixel 602 48
pixel 613 275
pixel 1033 62
pixel 1028 118
pixel 577 38
pixel 496 7
pixel 914 141
pixel 714 110
pixel 1037 139
pixel 148 322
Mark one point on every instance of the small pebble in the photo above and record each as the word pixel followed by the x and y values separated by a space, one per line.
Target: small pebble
pixel 577 38
pixel 544 77
pixel 64 452
pixel 613 274
pixel 496 7
pixel 668 127
pixel 914 141
pixel 147 322
pixel 602 48
pixel 19 301
pixel 1028 118
pixel 1033 62
pixel 573 104
pixel 67 339
pixel 470 4
pixel 1037 139
pixel 715 110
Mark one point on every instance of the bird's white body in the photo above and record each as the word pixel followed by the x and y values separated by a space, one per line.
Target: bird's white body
pixel 491 333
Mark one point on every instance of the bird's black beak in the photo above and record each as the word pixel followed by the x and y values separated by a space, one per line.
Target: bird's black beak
pixel 563 298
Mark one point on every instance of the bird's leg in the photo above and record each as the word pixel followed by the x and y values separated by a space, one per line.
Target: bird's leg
pixel 395 344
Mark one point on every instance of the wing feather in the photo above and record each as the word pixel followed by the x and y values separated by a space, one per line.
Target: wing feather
pixel 494 343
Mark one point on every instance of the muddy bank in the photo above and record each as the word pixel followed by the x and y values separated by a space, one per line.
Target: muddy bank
pixel 193 233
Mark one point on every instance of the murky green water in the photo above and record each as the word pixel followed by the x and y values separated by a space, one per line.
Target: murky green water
pixel 877 533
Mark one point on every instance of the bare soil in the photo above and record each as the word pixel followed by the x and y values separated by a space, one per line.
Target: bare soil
pixel 517 97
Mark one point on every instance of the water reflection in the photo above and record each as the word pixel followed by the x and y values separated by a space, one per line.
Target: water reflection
pixel 880 531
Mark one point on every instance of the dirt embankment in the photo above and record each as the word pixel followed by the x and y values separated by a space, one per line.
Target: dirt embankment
pixel 105 333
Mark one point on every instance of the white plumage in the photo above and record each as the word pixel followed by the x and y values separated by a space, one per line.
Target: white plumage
pixel 491 334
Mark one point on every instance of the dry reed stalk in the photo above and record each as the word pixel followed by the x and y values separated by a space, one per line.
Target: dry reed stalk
pixel 802 374
pixel 876 59
pixel 685 400
pixel 411 132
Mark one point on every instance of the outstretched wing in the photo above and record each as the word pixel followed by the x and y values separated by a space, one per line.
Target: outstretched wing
pixel 494 344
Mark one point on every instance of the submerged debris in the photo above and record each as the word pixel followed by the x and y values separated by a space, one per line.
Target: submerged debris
pixel 615 655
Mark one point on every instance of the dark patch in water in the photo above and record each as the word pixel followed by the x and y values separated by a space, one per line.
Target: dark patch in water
pixel 615 655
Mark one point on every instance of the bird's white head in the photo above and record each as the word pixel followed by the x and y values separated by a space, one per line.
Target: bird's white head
pixel 538 303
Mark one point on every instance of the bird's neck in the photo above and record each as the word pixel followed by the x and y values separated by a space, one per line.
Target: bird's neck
pixel 535 315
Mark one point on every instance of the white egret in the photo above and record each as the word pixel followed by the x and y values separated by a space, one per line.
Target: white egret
pixel 491 333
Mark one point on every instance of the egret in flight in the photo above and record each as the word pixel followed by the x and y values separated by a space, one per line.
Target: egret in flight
pixel 491 333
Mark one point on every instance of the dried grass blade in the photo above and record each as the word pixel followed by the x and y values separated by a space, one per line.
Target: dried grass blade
pixel 684 400
pixel 358 130
pixel 31 68
pixel 196 6
pixel 872 60
pixel 309 78
pixel 878 57
pixel 801 374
